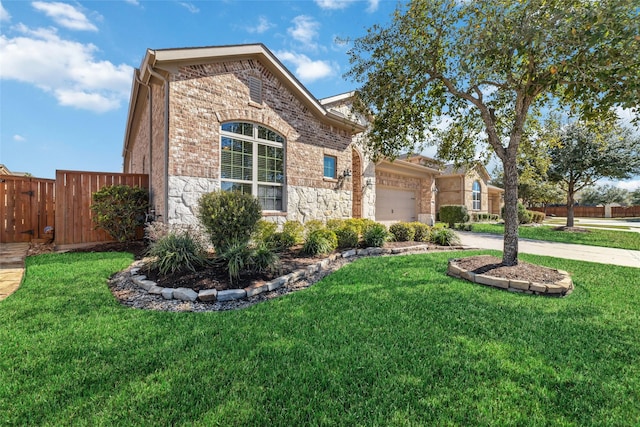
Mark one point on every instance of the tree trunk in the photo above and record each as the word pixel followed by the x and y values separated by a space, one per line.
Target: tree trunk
pixel 510 250
pixel 570 202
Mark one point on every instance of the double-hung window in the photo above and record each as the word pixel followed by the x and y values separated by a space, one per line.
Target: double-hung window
pixel 476 193
pixel 252 161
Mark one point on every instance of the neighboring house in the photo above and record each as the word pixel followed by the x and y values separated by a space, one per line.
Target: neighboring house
pixel 5 171
pixel 234 118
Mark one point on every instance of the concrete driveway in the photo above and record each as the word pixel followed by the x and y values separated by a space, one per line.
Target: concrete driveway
pixel 623 257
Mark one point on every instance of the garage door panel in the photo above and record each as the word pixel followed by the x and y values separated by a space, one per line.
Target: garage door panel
pixel 395 205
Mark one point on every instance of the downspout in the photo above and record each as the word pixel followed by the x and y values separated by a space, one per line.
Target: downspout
pixel 165 81
pixel 150 96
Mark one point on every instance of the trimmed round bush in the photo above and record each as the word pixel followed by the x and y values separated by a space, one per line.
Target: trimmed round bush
pixel 312 225
pixel 524 216
pixel 119 210
pixel 348 236
pixel 229 216
pixel 320 241
pixel 422 232
pixel 374 235
pixel 452 214
pixel 402 232
pixel 334 224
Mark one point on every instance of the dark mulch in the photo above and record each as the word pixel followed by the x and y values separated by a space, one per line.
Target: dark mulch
pixel 492 266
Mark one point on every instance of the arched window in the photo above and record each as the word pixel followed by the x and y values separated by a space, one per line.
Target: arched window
pixel 476 192
pixel 252 161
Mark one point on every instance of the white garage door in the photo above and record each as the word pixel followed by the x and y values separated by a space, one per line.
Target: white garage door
pixel 395 205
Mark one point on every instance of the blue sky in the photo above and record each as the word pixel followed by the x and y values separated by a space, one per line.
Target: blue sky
pixel 66 67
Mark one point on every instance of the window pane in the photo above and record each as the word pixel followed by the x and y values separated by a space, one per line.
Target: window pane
pixel 270 197
pixel 270 167
pixel 239 128
pixel 269 135
pixel 236 186
pixel 329 167
pixel 236 159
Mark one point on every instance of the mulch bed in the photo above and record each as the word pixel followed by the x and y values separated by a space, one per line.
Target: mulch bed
pixel 492 266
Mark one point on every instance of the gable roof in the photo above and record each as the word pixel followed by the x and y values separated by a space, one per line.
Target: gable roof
pixel 452 169
pixel 169 60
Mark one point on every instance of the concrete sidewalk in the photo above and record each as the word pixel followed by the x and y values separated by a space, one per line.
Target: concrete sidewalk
pixel 12 257
pixel 612 256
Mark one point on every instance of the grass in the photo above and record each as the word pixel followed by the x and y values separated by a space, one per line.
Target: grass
pixel 595 237
pixel 383 341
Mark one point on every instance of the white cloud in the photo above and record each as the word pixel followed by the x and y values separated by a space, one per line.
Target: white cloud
pixel 263 26
pixel 65 68
pixel 343 4
pixel 19 138
pixel 304 30
pixel 190 7
pixel 4 15
pixel 65 15
pixel 133 2
pixel 306 69
pixel 628 185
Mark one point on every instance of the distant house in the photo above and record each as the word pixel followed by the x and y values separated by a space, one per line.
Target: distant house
pixel 234 118
pixel 5 171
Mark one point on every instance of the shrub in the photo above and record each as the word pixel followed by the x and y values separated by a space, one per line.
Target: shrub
pixel 334 224
pixel 402 232
pixel 235 256
pixel 375 234
pixel 229 216
pixel 312 225
pixel 421 231
pixel 464 227
pixel 537 217
pixel 294 231
pixel 263 259
pixel 320 241
pixel 524 216
pixel 480 217
pixel 452 214
pixel 348 236
pixel 119 210
pixel 359 223
pixel 177 252
pixel 444 237
pixel 264 231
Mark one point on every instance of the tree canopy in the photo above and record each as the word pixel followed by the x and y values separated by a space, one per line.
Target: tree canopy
pixel 587 152
pixel 458 74
pixel 604 195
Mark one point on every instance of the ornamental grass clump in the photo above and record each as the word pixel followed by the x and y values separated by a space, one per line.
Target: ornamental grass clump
pixel 320 241
pixel 444 236
pixel 177 252
pixel 374 235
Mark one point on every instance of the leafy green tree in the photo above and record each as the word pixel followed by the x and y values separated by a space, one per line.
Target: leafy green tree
pixel 119 210
pixel 604 195
pixel 493 68
pixel 587 152
pixel 634 197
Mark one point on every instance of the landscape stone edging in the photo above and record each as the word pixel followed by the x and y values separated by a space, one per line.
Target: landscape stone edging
pixel 561 288
pixel 211 295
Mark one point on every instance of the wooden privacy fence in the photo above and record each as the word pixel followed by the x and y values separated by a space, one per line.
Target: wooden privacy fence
pixel 27 208
pixel 74 219
pixel 625 211
pixel 31 204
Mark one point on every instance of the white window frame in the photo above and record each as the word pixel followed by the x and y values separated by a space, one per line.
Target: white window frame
pixel 476 196
pixel 255 141
pixel 335 166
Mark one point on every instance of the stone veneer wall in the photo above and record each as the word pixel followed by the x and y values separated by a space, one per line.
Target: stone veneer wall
pixel 307 203
pixel 184 193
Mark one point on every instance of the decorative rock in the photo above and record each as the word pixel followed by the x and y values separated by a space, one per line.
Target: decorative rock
pixel 255 289
pixel 146 284
pixel 537 287
pixel 185 294
pixel 363 252
pixel 496 282
pixel 554 289
pixel 276 283
pixel 324 264
pixel 231 294
pixel 454 270
pixel 376 251
pixel 155 290
pixel 519 284
pixel 566 283
pixel 167 293
pixel 312 268
pixel 468 275
pixel 134 271
pixel 349 253
pixel 138 278
pixel 298 274
pixel 208 295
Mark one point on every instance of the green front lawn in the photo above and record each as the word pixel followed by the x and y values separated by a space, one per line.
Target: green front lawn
pixel 383 341
pixel 606 238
